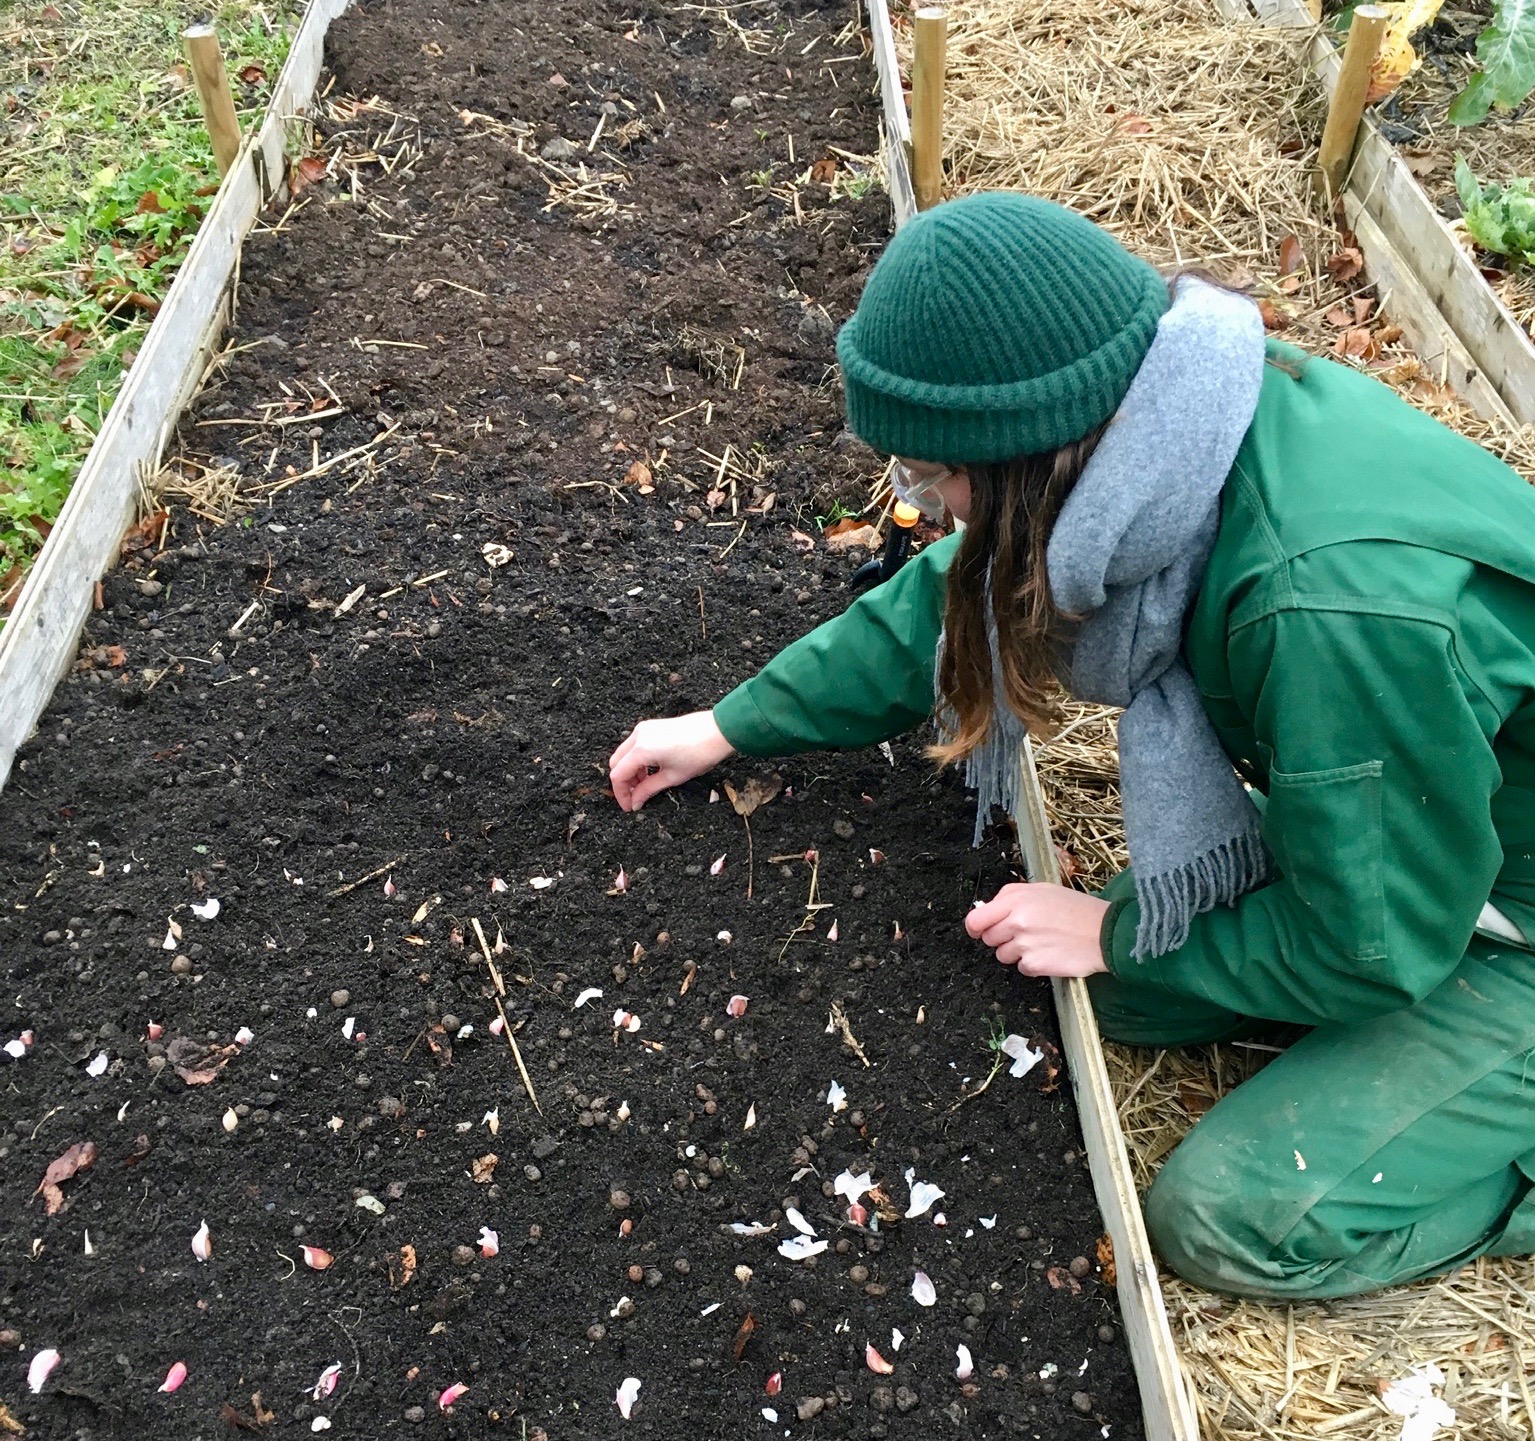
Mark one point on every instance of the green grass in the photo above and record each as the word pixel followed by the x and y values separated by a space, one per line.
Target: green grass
pixel 106 172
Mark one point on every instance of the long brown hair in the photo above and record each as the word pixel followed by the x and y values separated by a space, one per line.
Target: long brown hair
pixel 1002 560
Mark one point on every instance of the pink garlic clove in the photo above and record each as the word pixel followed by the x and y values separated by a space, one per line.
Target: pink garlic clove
pixel 173 1378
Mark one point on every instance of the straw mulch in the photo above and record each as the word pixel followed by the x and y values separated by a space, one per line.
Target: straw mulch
pixel 1190 138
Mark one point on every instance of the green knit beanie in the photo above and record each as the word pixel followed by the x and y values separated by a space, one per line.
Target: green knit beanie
pixel 994 326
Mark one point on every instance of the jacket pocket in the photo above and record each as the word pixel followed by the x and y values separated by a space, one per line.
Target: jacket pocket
pixel 1324 829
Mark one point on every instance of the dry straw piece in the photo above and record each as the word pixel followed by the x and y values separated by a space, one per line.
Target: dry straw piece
pixel 1192 140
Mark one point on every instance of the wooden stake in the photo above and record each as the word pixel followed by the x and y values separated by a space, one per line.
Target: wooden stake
pixel 1347 108
pixel 929 40
pixel 202 47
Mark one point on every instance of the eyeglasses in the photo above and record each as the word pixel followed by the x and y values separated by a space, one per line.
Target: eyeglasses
pixel 916 482
pixel 920 477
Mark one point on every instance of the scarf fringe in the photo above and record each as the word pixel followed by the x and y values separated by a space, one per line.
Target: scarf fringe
pixel 994 771
pixel 1170 902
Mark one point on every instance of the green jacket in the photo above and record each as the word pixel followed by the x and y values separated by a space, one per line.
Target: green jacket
pixel 1364 642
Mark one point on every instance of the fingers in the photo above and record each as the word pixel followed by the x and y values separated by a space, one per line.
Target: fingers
pixel 627 777
pixel 648 786
pixel 624 747
pixel 983 917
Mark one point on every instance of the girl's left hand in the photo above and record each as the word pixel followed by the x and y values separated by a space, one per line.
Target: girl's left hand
pixel 1044 930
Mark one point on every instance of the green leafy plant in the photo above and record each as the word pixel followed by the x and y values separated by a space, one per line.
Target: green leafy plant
pixel 1500 218
pixel 1505 50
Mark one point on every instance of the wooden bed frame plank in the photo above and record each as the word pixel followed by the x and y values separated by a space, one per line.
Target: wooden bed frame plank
pixel 38 643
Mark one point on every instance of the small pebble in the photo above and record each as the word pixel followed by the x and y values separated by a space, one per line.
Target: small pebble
pixel 905 1398
pixel 463 1255
pixel 1107 1334
pixel 807 1408
pixel 532 1172
pixel 181 966
pixel 1080 1266
pixel 796 1307
pixel 1082 1401
pixel 618 1199
pixel 636 1273
pixel 450 1023
pixel 858 1274
pixel 339 999
pixel 415 1415
pixel 596 1331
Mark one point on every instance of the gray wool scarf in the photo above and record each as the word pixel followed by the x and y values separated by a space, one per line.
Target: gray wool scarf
pixel 1127 556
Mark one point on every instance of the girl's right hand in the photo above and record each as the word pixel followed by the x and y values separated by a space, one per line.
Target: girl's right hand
pixel 658 754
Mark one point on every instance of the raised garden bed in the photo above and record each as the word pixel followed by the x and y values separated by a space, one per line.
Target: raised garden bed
pixel 347 715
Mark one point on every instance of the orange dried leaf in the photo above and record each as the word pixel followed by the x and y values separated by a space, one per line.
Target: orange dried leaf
pixel 1105 1252
pixel 402 1268
pixel 1292 257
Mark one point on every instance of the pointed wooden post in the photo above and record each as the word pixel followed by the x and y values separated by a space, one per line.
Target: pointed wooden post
pixel 929 43
pixel 202 47
pixel 1347 108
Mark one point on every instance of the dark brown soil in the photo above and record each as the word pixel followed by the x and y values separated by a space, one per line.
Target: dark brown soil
pixel 234 730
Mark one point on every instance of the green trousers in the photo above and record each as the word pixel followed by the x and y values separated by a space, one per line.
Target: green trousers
pixel 1365 1155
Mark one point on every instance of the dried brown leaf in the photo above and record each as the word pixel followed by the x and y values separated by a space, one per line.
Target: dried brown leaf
pixel 756 792
pixel 1346 264
pixel 1061 1279
pixel 198 1064
pixel 1358 343
pixel 483 1168
pixel 743 1335
pixel 859 537
pixel 1292 256
pixel 78 1157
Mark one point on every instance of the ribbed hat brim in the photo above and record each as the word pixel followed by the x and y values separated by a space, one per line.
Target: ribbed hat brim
pixel 956 424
